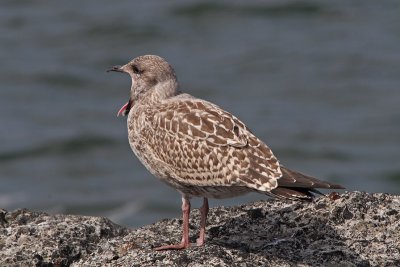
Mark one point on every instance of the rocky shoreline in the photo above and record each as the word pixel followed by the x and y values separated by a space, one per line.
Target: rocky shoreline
pixel 351 229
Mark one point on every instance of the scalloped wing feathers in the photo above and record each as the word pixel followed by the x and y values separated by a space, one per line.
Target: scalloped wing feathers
pixel 203 145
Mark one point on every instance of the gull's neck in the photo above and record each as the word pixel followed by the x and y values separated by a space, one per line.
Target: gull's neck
pixel 158 93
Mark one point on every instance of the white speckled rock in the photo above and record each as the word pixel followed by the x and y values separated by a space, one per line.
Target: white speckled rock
pixel 357 229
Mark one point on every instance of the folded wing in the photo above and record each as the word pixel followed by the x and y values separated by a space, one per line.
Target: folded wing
pixel 204 145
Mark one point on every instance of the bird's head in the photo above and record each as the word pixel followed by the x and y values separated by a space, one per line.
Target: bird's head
pixel 150 74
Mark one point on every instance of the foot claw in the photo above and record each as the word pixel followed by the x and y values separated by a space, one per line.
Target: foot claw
pixel 199 242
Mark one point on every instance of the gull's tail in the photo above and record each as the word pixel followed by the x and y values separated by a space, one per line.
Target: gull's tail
pixel 297 186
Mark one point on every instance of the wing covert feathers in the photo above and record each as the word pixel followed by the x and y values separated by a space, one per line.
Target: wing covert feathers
pixel 204 145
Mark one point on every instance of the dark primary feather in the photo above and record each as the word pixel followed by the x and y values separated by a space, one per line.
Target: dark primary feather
pixel 295 185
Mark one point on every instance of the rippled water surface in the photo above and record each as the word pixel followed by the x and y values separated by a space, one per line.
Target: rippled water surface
pixel 319 81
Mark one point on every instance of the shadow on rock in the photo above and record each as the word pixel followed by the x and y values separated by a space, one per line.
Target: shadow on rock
pixel 297 233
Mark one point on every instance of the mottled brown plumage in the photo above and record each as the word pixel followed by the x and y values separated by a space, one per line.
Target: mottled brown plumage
pixel 198 148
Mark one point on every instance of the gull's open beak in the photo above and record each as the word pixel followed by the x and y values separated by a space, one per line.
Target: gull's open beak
pixel 117 68
pixel 124 110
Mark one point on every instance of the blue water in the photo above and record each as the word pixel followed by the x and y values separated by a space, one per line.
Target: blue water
pixel 318 81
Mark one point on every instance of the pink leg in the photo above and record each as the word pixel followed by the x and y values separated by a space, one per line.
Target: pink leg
pixel 203 221
pixel 185 225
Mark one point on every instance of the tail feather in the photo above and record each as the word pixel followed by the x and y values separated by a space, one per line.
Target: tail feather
pixel 296 179
pixel 297 186
pixel 292 193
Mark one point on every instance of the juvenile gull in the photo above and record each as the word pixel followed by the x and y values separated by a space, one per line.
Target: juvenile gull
pixel 198 148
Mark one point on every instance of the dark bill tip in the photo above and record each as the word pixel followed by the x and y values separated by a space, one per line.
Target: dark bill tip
pixel 117 68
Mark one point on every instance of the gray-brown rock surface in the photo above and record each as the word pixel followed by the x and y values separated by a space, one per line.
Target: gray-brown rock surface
pixel 357 229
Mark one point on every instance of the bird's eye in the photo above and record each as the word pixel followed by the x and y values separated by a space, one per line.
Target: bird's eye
pixel 135 69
